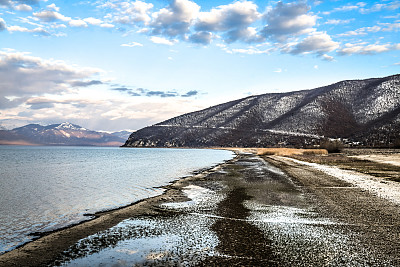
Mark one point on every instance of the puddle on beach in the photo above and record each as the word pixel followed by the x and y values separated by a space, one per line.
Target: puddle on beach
pixel 150 241
pixel 153 240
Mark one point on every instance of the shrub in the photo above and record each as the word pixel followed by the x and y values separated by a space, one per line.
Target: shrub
pixel 333 146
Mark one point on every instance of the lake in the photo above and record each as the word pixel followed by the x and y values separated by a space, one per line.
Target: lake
pixel 46 188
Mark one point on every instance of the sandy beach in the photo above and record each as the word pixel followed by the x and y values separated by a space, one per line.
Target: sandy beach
pixel 251 211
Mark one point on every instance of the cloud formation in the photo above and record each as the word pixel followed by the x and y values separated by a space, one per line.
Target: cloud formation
pixel 37 103
pixel 231 20
pixel 84 83
pixel 161 40
pixel 290 26
pixel 318 42
pixel 174 20
pixel 38 30
pixel 191 93
pixel 153 93
pixel 381 6
pixel 338 21
pixel 20 5
pixel 50 16
pixel 287 20
pixel 22 75
pixel 132 44
pixel 129 12
pixel 2 25
pixel 201 37
pixel 77 23
pixel 346 8
pixel 367 49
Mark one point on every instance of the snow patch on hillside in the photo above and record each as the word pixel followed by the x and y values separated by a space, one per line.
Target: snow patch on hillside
pixel 69 126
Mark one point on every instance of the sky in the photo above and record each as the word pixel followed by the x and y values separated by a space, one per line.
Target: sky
pixel 122 65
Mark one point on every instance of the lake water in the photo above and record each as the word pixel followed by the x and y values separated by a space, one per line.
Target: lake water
pixel 45 188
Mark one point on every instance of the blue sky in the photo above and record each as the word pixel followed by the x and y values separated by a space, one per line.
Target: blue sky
pixel 114 65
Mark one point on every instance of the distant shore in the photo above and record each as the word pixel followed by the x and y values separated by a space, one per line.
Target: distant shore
pixel 272 183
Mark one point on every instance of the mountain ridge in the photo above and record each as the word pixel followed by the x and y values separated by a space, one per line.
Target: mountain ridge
pixel 62 134
pixel 360 111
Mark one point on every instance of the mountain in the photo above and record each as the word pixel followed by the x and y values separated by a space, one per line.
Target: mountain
pixel 122 134
pixel 363 112
pixel 64 134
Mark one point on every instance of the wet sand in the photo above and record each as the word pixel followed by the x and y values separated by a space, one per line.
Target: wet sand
pixel 250 211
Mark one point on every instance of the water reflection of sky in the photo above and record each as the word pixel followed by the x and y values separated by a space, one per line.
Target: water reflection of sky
pixel 44 188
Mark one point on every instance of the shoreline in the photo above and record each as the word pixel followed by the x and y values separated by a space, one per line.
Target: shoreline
pixel 41 250
pixel 253 197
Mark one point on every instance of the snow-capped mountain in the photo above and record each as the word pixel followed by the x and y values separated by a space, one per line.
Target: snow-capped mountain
pixel 361 111
pixel 65 134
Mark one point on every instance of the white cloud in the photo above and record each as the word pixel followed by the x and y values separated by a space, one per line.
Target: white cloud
pixel 130 12
pixel 143 30
pixel 367 49
pixel 250 51
pixel 38 30
pixel 50 16
pixel 338 21
pixel 287 20
pixel 161 40
pixel 22 75
pixel 58 26
pixel 19 5
pixel 132 44
pixel 346 8
pixel 361 31
pixel 23 7
pixel 361 4
pixel 174 20
pixel 28 20
pixel 53 7
pixel 2 25
pixel 233 19
pixel 318 42
pixel 390 27
pixel 93 21
pixel 107 25
pixel 327 57
pixel 381 6
pixel 279 70
pixel 77 23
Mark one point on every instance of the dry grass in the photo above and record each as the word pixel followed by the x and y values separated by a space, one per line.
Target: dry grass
pixel 290 151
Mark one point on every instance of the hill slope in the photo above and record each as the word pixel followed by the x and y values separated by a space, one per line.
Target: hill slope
pixel 366 111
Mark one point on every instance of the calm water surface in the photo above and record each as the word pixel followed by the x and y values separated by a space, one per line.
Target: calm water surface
pixel 45 188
